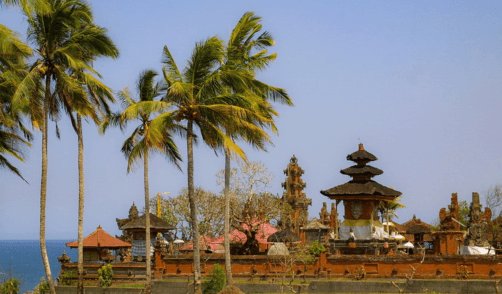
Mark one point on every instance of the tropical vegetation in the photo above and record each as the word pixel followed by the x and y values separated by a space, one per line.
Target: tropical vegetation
pixel 216 99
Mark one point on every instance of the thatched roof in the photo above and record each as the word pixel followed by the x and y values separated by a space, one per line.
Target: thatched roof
pixel 370 188
pixel 315 225
pixel 139 223
pixel 361 155
pixel 358 170
pixel 418 229
pixel 284 236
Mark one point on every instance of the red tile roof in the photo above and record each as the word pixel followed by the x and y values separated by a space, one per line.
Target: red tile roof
pixel 100 238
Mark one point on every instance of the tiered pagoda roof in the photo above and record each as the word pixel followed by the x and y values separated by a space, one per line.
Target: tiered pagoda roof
pixel 361 186
pixel 138 222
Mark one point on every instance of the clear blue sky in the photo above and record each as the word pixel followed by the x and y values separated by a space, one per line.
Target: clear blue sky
pixel 418 82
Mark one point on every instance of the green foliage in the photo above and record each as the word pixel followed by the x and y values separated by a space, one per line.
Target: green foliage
pixel 68 278
pixel 360 273
pixel 215 281
pixel 105 274
pixel 11 286
pixel 43 287
pixel 315 249
pixel 463 214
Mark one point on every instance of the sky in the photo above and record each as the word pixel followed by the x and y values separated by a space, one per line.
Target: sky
pixel 419 83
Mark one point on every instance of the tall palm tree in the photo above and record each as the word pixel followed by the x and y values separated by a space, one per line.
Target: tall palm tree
pixel 200 100
pixel 153 134
pixel 60 33
pixel 13 135
pixel 97 95
pixel 246 51
pixel 389 208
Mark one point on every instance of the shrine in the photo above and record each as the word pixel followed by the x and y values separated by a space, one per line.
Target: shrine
pixel 361 197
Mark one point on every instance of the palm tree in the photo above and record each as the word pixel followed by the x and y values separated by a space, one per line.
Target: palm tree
pixel 98 95
pixel 199 96
pixel 152 134
pixel 61 32
pixel 246 51
pixel 389 208
pixel 13 135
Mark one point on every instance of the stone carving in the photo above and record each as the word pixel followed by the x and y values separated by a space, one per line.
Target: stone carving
pixel 333 219
pixel 295 197
pixel 449 219
pixel 478 220
pixel 356 207
pixel 324 215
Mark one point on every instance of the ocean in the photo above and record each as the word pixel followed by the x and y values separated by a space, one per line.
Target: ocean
pixel 21 259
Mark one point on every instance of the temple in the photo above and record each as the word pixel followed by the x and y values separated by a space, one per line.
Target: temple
pixel 365 241
pixel 361 198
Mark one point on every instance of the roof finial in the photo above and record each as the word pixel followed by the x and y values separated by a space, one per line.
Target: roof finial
pixel 361 147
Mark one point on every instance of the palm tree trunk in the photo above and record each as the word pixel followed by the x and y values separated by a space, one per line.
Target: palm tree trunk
pixel 193 210
pixel 43 186
pixel 80 285
pixel 147 227
pixel 228 261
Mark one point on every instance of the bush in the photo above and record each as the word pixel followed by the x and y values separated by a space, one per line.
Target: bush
pixel 215 281
pixel 315 249
pixel 105 276
pixel 68 278
pixel 42 287
pixel 11 286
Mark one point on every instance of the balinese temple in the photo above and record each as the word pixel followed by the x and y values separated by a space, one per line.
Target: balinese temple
pixel 295 197
pixel 99 246
pixel 134 230
pixel 361 197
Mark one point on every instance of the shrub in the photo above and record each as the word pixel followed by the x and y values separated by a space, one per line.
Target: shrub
pixel 315 249
pixel 42 287
pixel 11 286
pixel 215 281
pixel 68 278
pixel 105 276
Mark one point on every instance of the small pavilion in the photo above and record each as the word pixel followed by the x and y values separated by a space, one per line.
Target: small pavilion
pixel 361 197
pixel 99 246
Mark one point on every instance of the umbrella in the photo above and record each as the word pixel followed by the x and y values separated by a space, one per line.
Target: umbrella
pixel 408 245
pixel 178 241
pixel 399 237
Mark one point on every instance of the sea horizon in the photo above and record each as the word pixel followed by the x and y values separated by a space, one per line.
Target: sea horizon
pixel 21 259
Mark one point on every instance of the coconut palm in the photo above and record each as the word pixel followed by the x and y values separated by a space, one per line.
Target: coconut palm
pixel 246 51
pixel 153 134
pixel 61 35
pixel 389 208
pixel 14 136
pixel 98 95
pixel 200 100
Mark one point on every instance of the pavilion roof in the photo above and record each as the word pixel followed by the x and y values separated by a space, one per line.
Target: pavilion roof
pixel 100 238
pixel 156 223
pixel 353 189
pixel 361 155
pixel 358 170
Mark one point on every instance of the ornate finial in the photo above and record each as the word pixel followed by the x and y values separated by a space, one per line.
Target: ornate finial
pixel 133 212
pixel 294 159
pixel 361 147
pixel 414 217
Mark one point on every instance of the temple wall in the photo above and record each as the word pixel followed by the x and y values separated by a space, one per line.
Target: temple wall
pixel 433 266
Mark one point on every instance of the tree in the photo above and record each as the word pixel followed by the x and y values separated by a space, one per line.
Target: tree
pixel 13 135
pixel 198 96
pixel 62 32
pixel 246 52
pixel 98 95
pixel 493 198
pixel 389 208
pixel 175 210
pixel 153 134
pixel 251 203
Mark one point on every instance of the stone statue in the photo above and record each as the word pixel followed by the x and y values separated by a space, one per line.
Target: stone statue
pixel 478 221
